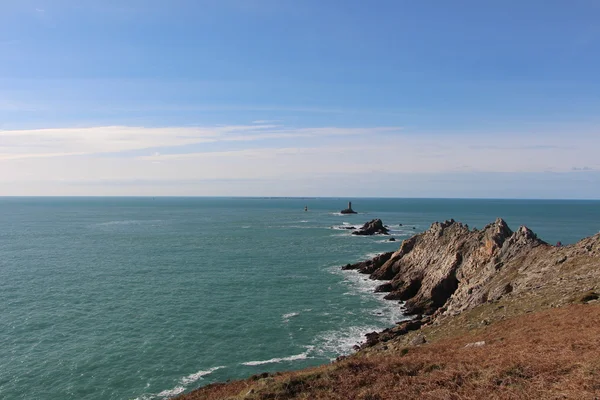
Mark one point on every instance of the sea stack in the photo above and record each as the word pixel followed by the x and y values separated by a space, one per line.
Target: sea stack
pixel 348 210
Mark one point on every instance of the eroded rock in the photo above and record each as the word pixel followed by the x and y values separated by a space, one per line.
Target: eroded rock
pixel 372 227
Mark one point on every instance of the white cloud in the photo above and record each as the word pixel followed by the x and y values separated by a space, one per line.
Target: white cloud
pixel 265 121
pixel 277 154
pixel 56 142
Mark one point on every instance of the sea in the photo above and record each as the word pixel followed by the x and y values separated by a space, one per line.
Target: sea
pixel 147 298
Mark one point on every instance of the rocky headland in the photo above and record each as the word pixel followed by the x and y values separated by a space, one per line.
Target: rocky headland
pixel 496 313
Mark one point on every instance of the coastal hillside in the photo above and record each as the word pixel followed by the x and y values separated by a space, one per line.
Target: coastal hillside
pixel 497 314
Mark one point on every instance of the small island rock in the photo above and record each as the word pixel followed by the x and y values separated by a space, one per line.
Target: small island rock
pixel 371 228
pixel 348 210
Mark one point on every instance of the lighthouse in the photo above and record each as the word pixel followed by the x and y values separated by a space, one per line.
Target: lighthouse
pixel 348 210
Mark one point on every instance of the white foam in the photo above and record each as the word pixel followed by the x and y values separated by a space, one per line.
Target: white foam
pixel 388 312
pixel 286 317
pixel 369 256
pixel 302 356
pixel 344 227
pixel 194 377
pixel 172 392
pixel 396 242
pixel 341 342
pixel 180 388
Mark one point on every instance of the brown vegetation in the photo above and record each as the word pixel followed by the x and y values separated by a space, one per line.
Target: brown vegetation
pixel 552 354
pixel 507 317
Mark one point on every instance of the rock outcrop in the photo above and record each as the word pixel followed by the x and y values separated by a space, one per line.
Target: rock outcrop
pixel 451 264
pixel 372 227
pixel 449 268
pixel 369 266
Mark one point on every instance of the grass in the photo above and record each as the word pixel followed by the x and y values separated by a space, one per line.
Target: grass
pixel 550 354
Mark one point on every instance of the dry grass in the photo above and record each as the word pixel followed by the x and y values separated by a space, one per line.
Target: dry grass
pixel 552 354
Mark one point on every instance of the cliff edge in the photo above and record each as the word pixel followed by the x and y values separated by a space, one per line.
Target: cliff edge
pixel 497 314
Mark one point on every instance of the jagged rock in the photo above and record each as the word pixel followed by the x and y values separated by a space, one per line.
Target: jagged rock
pixel 368 266
pixel 453 267
pixel 371 228
pixel 386 287
pixel 392 240
pixel 386 335
pixel 428 269
pixel 449 269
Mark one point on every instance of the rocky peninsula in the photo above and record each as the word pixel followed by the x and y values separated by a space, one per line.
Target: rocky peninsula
pixel 496 314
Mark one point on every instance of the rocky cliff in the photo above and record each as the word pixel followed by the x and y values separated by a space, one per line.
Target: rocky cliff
pixel 500 314
pixel 450 268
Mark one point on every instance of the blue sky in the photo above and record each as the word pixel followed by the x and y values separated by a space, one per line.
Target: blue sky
pixel 277 97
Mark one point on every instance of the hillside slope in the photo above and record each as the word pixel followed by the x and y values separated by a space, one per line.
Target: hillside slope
pixel 528 312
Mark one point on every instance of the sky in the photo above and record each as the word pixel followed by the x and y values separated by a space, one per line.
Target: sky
pixel 463 98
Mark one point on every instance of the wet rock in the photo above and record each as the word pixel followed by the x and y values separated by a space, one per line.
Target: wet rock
pixel 371 228
pixel 368 266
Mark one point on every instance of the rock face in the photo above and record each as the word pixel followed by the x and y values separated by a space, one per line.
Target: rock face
pixel 369 266
pixel 451 268
pixel 371 228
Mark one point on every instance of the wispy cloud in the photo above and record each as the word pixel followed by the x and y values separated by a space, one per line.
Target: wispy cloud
pixel 276 153
pixel 582 169
pixel 16 144
pixel 265 121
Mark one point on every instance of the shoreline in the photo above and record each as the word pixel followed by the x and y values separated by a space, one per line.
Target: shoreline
pixel 448 272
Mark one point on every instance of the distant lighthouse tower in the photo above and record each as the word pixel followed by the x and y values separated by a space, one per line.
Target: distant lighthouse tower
pixel 348 210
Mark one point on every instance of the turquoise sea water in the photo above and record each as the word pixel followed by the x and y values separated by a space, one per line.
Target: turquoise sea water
pixel 125 298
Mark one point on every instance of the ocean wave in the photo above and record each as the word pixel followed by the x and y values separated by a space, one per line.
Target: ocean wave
pixel 181 386
pixel 194 377
pixel 286 317
pixel 344 227
pixel 341 342
pixel 171 392
pixel 396 242
pixel 368 256
pixel 301 356
pixel 388 312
